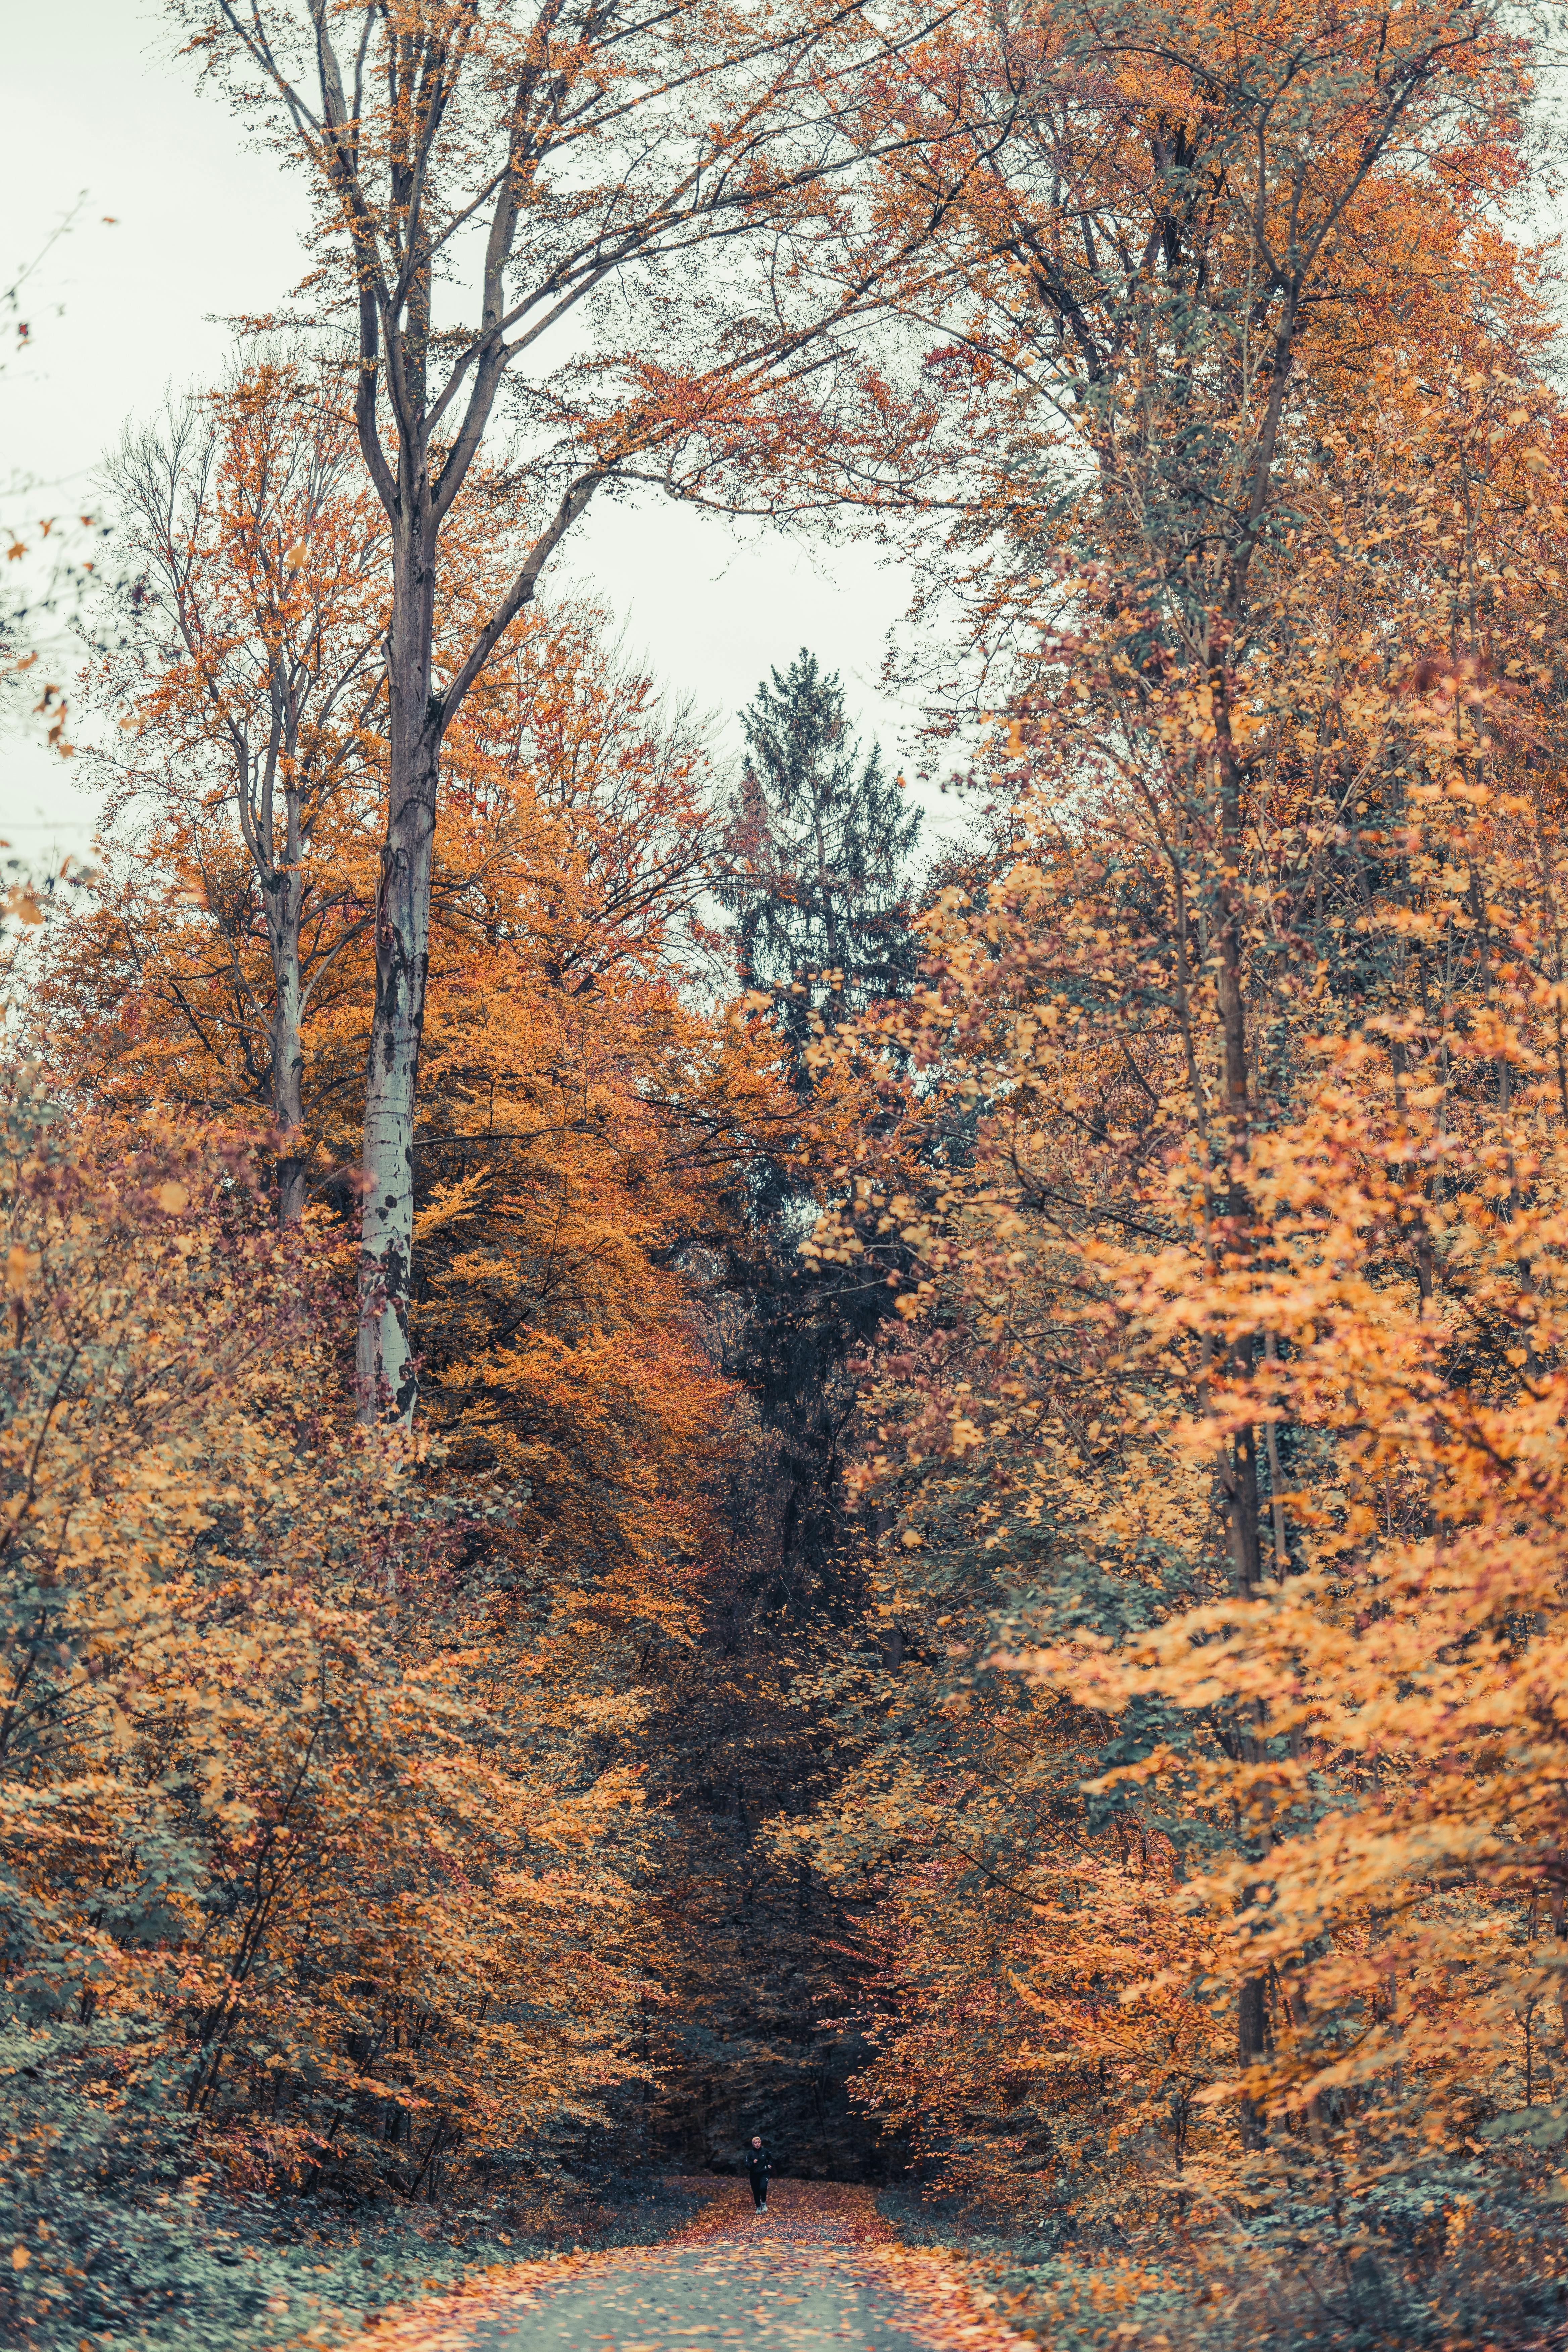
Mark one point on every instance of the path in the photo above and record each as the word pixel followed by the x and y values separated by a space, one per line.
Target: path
pixel 816 2274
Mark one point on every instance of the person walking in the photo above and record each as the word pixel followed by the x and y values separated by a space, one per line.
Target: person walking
pixel 759 2164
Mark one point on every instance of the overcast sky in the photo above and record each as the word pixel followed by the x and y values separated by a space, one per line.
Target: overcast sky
pixel 98 101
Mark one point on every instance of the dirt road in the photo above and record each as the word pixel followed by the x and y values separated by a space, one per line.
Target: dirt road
pixel 816 2273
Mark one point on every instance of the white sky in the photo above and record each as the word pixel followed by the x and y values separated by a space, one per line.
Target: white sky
pixel 98 99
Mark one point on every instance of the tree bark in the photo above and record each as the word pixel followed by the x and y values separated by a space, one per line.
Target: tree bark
pixel 1251 2047
pixel 387 1372
pixel 288 1051
pixel 283 896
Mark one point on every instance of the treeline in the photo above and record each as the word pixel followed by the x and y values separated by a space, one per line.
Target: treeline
pixel 670 1473
pixel 334 1720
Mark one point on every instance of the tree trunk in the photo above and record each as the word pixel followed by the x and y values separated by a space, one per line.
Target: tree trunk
pixel 287 891
pixel 1251 2045
pixel 1241 1472
pixel 287 1106
pixel 1243 1504
pixel 388 1377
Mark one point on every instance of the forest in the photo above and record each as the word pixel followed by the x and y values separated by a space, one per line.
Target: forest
pixel 682 1456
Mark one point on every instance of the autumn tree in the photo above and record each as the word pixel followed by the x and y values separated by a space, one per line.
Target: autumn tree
pixel 581 1122
pixel 288 1851
pixel 525 124
pixel 238 822
pixel 1252 628
pixel 1053 1438
pixel 576 1126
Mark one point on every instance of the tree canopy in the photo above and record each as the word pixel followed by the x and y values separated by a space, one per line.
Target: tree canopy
pixel 671 1468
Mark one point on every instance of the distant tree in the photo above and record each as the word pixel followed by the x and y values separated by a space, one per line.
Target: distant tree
pixel 818 848
pixel 815 858
pixel 815 853
pixel 240 807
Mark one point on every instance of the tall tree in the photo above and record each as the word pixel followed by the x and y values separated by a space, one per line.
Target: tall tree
pixel 521 122
pixel 817 854
pixel 1231 976
pixel 815 871
pixel 251 681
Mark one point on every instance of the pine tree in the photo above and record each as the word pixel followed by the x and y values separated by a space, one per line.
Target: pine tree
pixel 818 853
pixel 815 851
pixel 818 846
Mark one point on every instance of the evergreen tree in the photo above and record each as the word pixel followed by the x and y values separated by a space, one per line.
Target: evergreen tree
pixel 817 851
pixel 817 846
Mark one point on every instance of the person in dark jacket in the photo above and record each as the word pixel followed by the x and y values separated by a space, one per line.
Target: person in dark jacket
pixel 759 2164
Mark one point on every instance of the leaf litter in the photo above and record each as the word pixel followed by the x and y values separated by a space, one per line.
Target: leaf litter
pixel 820 2271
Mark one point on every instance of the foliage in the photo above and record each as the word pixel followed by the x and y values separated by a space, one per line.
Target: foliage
pixel 1079 1646
pixel 816 857
pixel 123 2241
pixel 1209 1782
pixel 270 1849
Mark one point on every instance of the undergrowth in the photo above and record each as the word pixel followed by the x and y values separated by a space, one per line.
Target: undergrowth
pixel 1455 2276
pixel 115 2237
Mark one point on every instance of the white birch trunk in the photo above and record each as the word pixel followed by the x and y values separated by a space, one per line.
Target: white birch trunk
pixel 386 1373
